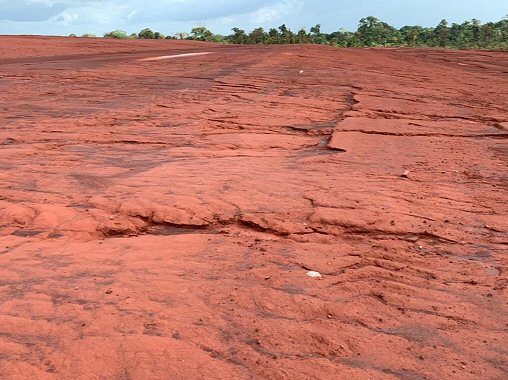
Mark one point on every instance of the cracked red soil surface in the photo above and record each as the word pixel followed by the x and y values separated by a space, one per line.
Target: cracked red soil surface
pixel 158 218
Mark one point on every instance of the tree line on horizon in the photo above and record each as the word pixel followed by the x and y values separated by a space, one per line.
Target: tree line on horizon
pixel 371 32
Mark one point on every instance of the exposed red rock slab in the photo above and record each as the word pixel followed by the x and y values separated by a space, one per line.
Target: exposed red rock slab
pixel 158 218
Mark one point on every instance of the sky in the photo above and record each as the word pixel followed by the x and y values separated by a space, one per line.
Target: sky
pixel 63 17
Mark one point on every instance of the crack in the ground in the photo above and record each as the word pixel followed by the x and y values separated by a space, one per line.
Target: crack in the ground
pixel 405 134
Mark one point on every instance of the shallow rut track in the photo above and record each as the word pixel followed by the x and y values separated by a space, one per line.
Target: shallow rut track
pixel 158 218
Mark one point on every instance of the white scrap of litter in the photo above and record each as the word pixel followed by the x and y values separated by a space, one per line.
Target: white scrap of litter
pixel 314 274
pixel 301 71
pixel 160 58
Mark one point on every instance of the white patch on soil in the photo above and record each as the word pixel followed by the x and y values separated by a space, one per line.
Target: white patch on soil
pixel 162 57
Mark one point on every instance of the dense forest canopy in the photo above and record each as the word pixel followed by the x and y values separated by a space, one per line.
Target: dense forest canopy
pixel 371 32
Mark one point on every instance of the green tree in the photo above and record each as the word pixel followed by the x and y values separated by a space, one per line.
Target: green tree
pixel 488 35
pixel 217 38
pixel 257 36
pixel 273 36
pixel 342 38
pixel 302 37
pixel 476 28
pixel 238 36
pixel 441 33
pixel 116 34
pixel 411 35
pixel 316 36
pixel 374 32
pixel 201 33
pixel 454 36
pixel 146 34
pixel 286 35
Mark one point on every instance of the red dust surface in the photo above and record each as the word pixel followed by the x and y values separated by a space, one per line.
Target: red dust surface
pixel 158 218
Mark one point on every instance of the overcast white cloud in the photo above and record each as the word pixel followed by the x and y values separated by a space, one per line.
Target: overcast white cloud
pixel 62 17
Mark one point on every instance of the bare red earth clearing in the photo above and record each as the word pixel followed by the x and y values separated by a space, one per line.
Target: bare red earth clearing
pixel 158 218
